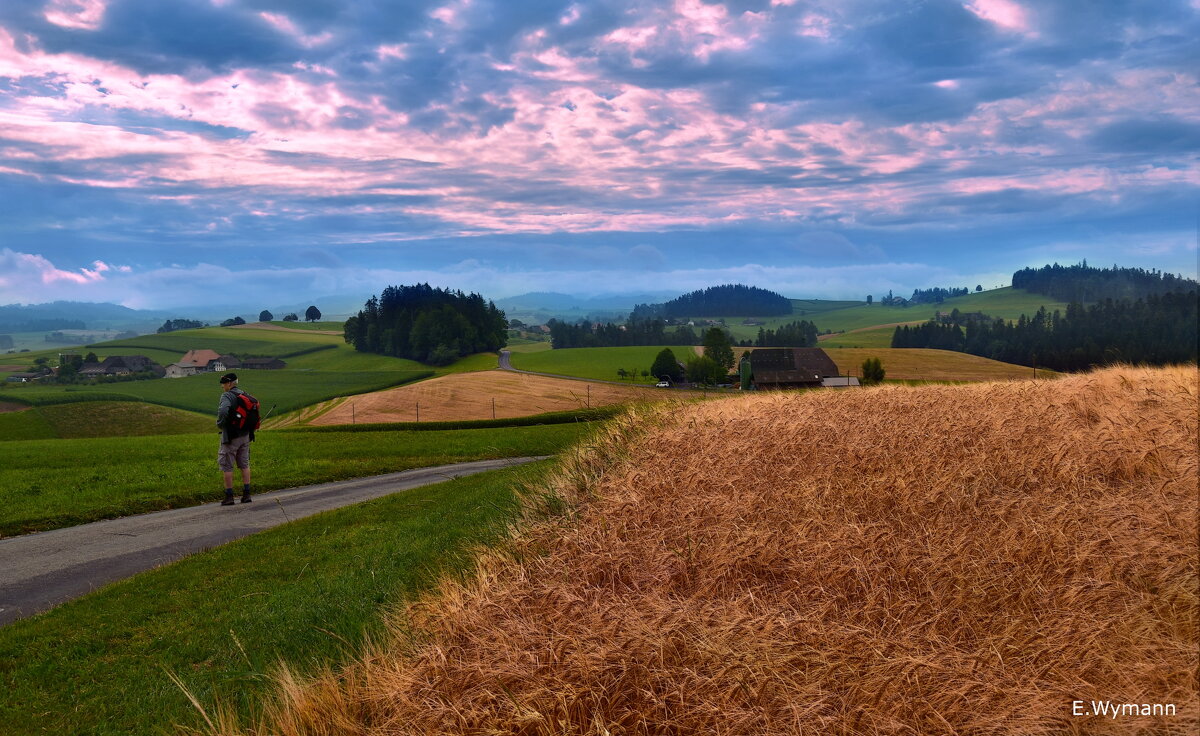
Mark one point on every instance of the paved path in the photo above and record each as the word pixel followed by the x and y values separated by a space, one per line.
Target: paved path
pixel 39 571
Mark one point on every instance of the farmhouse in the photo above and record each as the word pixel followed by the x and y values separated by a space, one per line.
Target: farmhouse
pixel 201 361
pixel 775 368
pixel 120 365
pixel 23 377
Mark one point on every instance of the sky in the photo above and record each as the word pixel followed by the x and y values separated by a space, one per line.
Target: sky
pixel 160 153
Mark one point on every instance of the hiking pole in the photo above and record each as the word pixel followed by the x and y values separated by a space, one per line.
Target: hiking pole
pixel 269 412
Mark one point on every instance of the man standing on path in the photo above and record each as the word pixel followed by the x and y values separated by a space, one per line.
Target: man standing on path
pixel 235 446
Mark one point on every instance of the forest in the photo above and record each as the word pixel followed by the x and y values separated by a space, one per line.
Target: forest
pixel 1084 284
pixel 729 300
pixel 1156 326
pixel 434 326
pixel 584 334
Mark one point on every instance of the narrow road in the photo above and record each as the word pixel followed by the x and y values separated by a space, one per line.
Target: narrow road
pixel 40 571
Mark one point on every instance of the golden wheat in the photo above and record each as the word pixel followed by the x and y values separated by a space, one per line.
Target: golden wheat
pixel 932 560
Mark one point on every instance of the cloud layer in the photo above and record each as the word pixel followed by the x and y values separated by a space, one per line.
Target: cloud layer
pixel 551 138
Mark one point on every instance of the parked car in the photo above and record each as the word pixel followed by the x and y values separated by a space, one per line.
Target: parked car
pixel 663 384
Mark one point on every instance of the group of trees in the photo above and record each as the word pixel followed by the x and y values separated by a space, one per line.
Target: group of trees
pixel 1157 330
pixel 1083 283
pixel 802 334
pixel 937 295
pixel 180 324
pixel 635 331
pixel 430 325
pixel 729 300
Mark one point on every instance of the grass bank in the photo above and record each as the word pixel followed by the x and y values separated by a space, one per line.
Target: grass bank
pixel 309 593
pixel 57 483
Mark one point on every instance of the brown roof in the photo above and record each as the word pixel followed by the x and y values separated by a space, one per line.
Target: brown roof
pixel 791 365
pixel 198 358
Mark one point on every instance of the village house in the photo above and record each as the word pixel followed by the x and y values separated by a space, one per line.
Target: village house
pixel 193 362
pixel 779 368
pixel 120 365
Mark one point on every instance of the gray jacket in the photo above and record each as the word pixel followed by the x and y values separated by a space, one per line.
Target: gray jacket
pixel 224 409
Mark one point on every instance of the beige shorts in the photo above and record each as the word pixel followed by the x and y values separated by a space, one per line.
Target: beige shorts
pixel 236 450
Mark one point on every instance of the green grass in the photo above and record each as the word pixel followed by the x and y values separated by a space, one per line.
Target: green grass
pixel 52 483
pixel 308 593
pixel 309 325
pixel 285 389
pixel 518 345
pixel 596 363
pixel 25 425
pixel 875 337
pixel 273 343
pixel 100 419
pixel 1005 303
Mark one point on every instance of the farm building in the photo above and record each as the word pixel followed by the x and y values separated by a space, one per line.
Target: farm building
pixel 120 365
pixel 775 368
pixel 24 377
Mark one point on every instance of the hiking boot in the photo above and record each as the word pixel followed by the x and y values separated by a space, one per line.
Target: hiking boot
pixel 228 501
pixel 245 498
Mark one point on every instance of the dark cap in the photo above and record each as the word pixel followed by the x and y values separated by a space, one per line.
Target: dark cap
pixel 229 378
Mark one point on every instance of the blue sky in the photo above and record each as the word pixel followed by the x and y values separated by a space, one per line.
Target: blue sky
pixel 160 154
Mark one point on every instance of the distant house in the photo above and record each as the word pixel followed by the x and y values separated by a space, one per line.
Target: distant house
pixel 198 359
pixel 176 370
pixel 271 364
pixel 224 363
pixel 23 377
pixel 91 370
pixel 777 368
pixel 120 365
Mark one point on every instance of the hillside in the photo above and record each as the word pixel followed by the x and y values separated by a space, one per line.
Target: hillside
pixel 941 559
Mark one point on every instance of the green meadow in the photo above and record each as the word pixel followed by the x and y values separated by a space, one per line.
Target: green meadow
pixel 309 593
pixel 597 363
pixel 52 483
pixel 283 389
pixel 1005 303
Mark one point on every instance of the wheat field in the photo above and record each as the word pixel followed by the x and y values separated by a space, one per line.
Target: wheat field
pixel 967 559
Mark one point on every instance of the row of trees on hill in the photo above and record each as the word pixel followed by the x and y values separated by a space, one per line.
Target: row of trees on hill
pixel 1157 330
pixel 1083 283
pixel 802 334
pixel 419 322
pixel 729 300
pixel 635 331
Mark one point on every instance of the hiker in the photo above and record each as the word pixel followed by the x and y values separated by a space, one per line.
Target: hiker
pixel 235 442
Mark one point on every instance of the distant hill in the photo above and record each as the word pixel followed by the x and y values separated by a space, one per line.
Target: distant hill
pixel 541 306
pixel 727 300
pixel 63 315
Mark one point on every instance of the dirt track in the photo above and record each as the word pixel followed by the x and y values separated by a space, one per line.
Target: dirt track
pixel 462 396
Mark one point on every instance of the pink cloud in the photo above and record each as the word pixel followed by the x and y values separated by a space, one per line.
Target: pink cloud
pixel 1004 13
pixel 17 269
pixel 81 14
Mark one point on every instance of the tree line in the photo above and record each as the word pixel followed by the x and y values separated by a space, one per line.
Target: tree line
pixel 419 322
pixel 728 300
pixel 1083 283
pixel 1156 330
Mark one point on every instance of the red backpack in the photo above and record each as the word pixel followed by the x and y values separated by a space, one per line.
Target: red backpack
pixel 244 418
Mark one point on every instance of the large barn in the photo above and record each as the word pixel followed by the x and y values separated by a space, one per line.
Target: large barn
pixel 775 368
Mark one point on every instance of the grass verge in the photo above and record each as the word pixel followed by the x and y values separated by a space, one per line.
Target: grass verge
pixel 58 483
pixel 308 593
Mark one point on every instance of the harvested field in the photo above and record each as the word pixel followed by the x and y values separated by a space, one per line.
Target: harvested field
pixel 10 406
pixel 967 559
pixel 462 396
